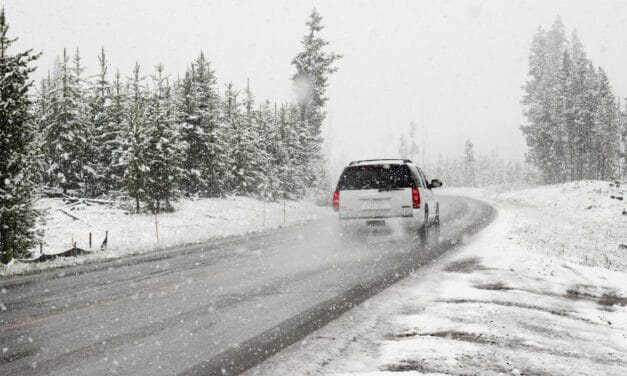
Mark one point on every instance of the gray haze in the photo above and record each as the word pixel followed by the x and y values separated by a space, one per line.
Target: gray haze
pixel 456 67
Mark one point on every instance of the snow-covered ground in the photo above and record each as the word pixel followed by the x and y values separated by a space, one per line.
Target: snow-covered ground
pixel 193 221
pixel 578 221
pixel 519 298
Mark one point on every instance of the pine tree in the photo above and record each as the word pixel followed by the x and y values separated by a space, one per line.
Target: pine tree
pixel 249 155
pixel 567 112
pixel 98 156
pixel 606 135
pixel 42 113
pixel 17 216
pixel 270 150
pixel 163 151
pixel 469 163
pixel 412 147
pixel 281 155
pixel 290 155
pixel 232 132
pixel 64 133
pixel 313 67
pixel 536 132
pixel 134 149
pixel 299 144
pixel 407 145
pixel 403 148
pixel 205 163
pixel 113 136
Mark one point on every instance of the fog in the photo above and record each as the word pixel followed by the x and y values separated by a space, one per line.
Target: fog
pixel 456 68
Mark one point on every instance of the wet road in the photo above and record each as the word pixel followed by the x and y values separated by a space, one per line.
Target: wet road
pixel 218 308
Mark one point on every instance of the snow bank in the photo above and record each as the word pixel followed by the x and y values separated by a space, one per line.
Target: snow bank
pixel 577 221
pixel 192 222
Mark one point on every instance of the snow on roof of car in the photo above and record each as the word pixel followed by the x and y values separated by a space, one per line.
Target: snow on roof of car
pixel 379 161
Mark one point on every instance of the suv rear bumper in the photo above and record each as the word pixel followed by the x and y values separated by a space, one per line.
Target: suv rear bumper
pixel 408 215
pixel 356 225
pixel 378 214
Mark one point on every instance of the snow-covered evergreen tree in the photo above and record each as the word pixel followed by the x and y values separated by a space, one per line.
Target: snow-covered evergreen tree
pixel 289 153
pixel 533 101
pixel 232 132
pixel 403 148
pixel 164 151
pixel 407 144
pixel 199 105
pixel 412 144
pixel 113 136
pixel 247 152
pixel 606 129
pixel 98 156
pixel 133 158
pixel 270 151
pixel 42 113
pixel 65 133
pixel 469 163
pixel 17 216
pixel 313 66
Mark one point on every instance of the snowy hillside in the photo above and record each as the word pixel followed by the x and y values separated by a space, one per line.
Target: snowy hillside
pixel 578 221
pixel 193 221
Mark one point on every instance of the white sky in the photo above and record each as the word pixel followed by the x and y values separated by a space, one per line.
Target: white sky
pixel 456 66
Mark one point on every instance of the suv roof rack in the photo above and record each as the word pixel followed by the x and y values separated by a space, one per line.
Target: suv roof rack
pixel 380 159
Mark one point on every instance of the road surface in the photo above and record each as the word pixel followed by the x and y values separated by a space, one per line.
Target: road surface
pixel 217 308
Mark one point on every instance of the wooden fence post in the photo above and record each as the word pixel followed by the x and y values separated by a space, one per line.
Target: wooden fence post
pixel 284 215
pixel 157 227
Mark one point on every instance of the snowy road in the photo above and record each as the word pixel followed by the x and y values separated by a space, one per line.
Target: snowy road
pixel 212 309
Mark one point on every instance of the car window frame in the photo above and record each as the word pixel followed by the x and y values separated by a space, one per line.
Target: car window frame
pixel 424 178
pixel 417 179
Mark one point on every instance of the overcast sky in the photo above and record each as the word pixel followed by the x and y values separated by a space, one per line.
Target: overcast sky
pixel 455 66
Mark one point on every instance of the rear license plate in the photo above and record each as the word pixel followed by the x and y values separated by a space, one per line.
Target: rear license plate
pixel 375 223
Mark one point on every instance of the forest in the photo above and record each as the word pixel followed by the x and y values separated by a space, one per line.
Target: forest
pixel 150 138
pixel 575 128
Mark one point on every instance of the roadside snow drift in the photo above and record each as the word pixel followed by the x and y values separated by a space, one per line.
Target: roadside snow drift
pixel 192 222
pixel 578 221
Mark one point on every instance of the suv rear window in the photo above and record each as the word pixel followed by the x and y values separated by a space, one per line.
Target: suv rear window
pixel 375 177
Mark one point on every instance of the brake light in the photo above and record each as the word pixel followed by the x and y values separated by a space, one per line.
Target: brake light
pixel 336 201
pixel 415 197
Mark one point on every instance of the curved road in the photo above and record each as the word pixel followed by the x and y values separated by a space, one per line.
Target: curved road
pixel 209 309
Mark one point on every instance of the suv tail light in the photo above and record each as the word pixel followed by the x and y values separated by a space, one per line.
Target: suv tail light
pixel 415 198
pixel 336 201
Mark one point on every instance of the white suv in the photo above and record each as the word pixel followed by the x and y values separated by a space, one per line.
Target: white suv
pixel 373 191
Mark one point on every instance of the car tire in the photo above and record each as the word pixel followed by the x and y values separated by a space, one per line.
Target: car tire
pixel 426 215
pixel 423 228
pixel 436 220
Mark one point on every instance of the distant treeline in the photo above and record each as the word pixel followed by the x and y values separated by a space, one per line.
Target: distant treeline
pixel 470 170
pixel 575 126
